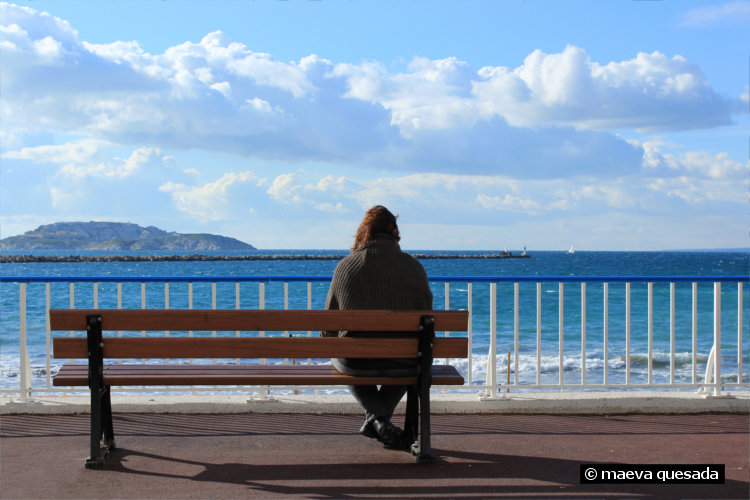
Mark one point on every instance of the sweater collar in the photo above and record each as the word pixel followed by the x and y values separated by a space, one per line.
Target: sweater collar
pixel 383 242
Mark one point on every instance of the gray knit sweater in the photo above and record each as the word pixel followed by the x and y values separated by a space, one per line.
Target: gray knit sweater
pixel 378 275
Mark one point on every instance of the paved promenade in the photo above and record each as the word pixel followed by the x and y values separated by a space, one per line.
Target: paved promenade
pixel 322 456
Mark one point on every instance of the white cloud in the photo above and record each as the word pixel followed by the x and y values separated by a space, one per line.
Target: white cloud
pixel 224 87
pixel 713 15
pixel 82 151
pixel 170 162
pixel 118 170
pixel 702 164
pixel 90 158
pixel 332 184
pixel 193 172
pixel 327 207
pixel 212 201
pixel 512 203
pixel 547 117
pixel 283 188
pixel 64 200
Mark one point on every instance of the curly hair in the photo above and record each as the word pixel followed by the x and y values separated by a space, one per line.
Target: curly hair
pixel 378 221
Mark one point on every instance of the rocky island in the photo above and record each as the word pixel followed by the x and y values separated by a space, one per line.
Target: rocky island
pixel 115 236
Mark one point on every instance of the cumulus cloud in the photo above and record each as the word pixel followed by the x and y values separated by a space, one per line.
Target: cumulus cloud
pixel 283 188
pixel 699 163
pixel 211 201
pixel 549 116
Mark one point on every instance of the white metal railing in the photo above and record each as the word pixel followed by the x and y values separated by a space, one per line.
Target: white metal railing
pixel 712 380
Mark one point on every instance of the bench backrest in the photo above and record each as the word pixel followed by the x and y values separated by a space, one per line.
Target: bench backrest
pixel 257 320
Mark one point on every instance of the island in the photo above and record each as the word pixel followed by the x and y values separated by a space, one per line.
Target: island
pixel 115 236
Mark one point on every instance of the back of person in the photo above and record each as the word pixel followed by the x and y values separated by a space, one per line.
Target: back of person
pixel 378 276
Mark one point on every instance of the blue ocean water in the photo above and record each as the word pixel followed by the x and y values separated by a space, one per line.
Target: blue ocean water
pixel 580 264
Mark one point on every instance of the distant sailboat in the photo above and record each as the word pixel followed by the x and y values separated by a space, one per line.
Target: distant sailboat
pixel 505 252
pixel 571 249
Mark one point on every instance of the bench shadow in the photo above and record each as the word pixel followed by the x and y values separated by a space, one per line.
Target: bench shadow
pixel 341 480
pixel 248 424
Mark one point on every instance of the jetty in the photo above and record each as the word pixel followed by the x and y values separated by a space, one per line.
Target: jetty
pixel 26 259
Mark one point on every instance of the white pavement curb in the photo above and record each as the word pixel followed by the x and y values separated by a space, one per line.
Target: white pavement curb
pixel 532 403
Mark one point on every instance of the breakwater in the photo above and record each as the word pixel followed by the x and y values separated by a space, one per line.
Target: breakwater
pixel 25 259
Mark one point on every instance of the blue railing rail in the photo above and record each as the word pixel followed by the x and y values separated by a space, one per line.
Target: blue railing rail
pixel 444 279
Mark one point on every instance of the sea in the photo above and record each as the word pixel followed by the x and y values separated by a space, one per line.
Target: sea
pixel 540 264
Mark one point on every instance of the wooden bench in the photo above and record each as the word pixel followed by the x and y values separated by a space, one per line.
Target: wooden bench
pixel 100 377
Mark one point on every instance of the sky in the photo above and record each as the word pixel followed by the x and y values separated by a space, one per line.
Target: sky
pixel 618 125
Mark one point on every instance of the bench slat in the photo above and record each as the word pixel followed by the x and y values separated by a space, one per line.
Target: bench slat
pixel 258 347
pixel 255 320
pixel 136 375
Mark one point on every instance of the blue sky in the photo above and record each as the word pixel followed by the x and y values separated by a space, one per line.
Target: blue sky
pixel 607 125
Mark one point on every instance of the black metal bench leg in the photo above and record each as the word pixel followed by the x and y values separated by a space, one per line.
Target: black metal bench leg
pixel 96 458
pixel 425 446
pixel 411 422
pixel 101 405
pixel 107 427
pixel 424 381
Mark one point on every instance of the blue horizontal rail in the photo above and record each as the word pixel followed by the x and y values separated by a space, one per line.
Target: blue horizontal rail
pixel 450 279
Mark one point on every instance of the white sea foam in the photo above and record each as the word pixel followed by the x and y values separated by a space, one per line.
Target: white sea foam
pixel 527 367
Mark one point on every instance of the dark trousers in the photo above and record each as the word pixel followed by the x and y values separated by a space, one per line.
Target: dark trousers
pixel 376 402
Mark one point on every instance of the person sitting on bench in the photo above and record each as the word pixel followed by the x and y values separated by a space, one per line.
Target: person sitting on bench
pixel 378 276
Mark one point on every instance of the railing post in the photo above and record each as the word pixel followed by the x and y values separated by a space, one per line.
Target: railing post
pixel 143 306
pixel 671 333
pixel 650 332
pixel 237 306
pixel 538 333
pixel 739 332
pixel 119 306
pixel 166 307
pixel 492 359
pixel 447 308
pixel 25 389
pixel 695 332
pixel 561 326
pixel 47 332
pixel 309 308
pixel 72 306
pixel 627 333
pixel 469 334
pixel 605 355
pixel 491 391
pixel 286 307
pixel 190 306
pixel 717 338
pixel 213 306
pixel 515 334
pixel 583 333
